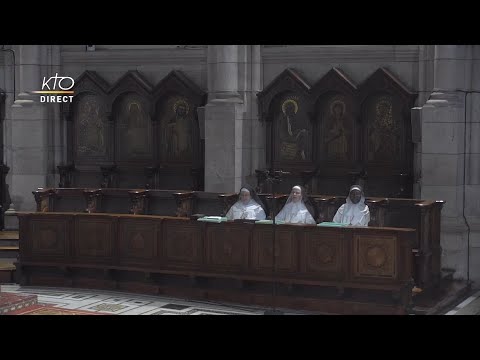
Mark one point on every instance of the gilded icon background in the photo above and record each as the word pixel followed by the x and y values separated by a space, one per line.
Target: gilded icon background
pixel 177 119
pixel 134 127
pixel 383 132
pixel 91 125
pixel 337 135
pixel 293 135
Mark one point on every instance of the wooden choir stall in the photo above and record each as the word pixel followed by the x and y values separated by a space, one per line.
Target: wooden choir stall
pixel 150 241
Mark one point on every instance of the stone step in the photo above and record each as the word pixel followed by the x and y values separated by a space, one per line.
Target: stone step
pixel 8 252
pixel 9 235
pixel 9 238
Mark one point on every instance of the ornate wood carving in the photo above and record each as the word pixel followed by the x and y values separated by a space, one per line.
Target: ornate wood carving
pixel 185 203
pixel 182 244
pixel 134 133
pixel 95 238
pixel 227 246
pixel 275 204
pixel 151 173
pixel 139 202
pixel 324 254
pixel 127 112
pixel 93 200
pixel 355 129
pixel 66 175
pixel 108 173
pixel 285 250
pixel 49 237
pixel 374 256
pixel 336 113
pixel 137 241
pixel 322 204
pixel 367 259
pixel 378 208
pixel 44 199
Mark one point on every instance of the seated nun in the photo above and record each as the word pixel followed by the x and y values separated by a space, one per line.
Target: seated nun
pixel 297 209
pixel 249 206
pixel 354 212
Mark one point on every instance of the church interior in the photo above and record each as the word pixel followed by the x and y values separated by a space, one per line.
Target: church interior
pixel 164 179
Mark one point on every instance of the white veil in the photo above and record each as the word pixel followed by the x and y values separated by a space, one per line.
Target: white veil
pixel 353 214
pixel 296 212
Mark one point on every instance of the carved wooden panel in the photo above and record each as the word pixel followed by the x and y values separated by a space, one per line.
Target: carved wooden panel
pixel 49 237
pixel 133 127
pixel 177 122
pixel 137 240
pixel 292 129
pixel 94 238
pixel 228 246
pixel 286 250
pixel 336 124
pixel 324 253
pixel 374 256
pixel 182 243
pixel 385 131
pixel 92 129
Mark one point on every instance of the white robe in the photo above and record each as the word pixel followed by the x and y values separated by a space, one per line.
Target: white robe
pixel 251 211
pixel 295 213
pixel 353 214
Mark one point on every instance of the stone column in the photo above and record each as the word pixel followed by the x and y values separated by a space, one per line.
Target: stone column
pixel 234 139
pixel 472 195
pixel 223 121
pixel 442 159
pixel 29 131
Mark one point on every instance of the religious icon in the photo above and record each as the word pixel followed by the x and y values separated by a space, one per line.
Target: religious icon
pixel 336 140
pixel 383 132
pixel 292 138
pixel 91 128
pixel 137 134
pixel 178 131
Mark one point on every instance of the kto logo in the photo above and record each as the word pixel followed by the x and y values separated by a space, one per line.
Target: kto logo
pixel 58 88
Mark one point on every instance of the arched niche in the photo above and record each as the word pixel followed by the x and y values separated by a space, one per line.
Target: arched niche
pixel 176 100
pixel 387 148
pixel 336 111
pixel 284 105
pixel 132 114
pixel 89 131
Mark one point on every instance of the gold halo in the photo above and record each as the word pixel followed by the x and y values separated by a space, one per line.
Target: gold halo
pixel 184 103
pixel 292 101
pixel 134 103
pixel 335 102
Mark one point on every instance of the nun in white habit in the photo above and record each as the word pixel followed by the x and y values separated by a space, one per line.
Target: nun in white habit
pixel 354 212
pixel 295 210
pixel 249 206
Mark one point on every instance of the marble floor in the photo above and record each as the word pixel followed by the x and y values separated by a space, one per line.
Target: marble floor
pixel 469 306
pixel 119 303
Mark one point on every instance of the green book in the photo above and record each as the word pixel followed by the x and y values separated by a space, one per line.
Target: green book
pixel 214 219
pixel 269 222
pixel 331 224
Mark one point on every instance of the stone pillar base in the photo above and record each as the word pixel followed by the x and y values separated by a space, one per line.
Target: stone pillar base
pixel 223 145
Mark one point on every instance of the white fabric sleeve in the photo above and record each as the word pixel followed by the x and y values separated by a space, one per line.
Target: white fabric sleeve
pixel 260 214
pixel 229 215
pixel 338 216
pixel 281 216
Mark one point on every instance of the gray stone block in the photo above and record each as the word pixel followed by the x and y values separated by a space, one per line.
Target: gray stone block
pixel 452 195
pixel 443 138
pixel 442 169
